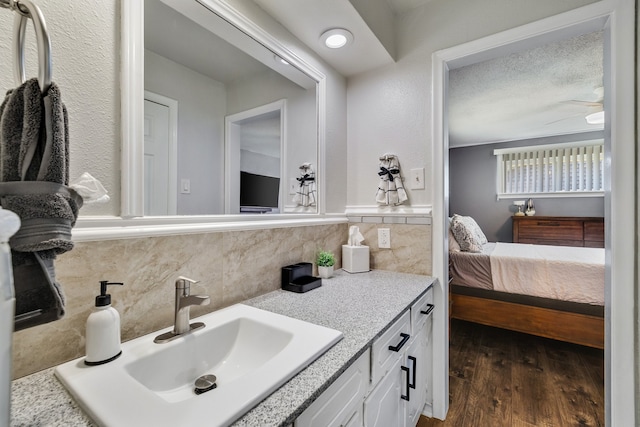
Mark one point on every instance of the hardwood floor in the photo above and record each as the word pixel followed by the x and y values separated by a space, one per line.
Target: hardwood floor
pixel 503 378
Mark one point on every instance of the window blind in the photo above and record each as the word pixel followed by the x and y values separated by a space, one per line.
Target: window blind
pixel 552 169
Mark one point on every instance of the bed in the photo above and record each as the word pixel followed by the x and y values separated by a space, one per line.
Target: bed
pixel 551 291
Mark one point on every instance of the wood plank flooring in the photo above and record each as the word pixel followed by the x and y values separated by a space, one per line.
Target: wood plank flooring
pixel 504 378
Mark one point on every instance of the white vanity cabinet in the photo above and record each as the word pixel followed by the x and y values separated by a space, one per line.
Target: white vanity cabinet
pixel 397 385
pixel 341 403
pixel 399 396
pixel 418 363
pixel 421 325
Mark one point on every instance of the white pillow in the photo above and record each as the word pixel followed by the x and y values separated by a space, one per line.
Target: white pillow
pixel 453 243
pixel 467 233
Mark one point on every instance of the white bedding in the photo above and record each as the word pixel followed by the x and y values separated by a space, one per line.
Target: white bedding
pixel 558 272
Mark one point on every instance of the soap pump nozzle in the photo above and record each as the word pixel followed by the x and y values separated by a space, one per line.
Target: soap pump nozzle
pixel 104 298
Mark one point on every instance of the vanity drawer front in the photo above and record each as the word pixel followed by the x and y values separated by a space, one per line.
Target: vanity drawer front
pixel 341 403
pixel 422 310
pixel 550 229
pixel 382 357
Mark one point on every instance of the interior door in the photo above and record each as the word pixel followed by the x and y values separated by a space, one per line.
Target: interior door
pixel 156 159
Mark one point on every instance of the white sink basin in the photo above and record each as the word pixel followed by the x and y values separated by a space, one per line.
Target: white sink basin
pixel 252 352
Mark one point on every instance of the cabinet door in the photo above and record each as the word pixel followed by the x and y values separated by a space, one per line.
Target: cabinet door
pixel 341 403
pixel 384 407
pixel 417 361
pixel 356 418
pixel 428 371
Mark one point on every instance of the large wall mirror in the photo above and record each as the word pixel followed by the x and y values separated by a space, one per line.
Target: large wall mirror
pixel 231 125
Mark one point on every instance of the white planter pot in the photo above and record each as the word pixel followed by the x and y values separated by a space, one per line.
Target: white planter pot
pixel 325 272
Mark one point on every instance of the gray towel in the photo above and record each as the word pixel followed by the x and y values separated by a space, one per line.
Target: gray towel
pixel 34 170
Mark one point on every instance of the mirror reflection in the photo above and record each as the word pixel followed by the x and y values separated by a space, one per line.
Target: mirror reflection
pixel 228 125
pixel 253 142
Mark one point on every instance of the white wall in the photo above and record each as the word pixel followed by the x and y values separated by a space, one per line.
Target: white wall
pixel 201 111
pixel 259 164
pixel 85 48
pixel 389 109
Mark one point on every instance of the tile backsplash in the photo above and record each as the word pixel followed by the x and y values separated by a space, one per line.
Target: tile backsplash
pixel 231 267
pixel 410 250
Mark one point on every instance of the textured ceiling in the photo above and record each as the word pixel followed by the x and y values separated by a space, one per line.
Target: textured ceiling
pixel 529 94
pixel 519 96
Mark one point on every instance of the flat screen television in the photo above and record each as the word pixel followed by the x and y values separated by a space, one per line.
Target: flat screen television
pixel 258 191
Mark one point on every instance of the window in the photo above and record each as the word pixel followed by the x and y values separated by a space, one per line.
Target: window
pixel 555 170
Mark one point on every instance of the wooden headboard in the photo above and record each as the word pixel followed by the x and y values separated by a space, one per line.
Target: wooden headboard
pixel 559 230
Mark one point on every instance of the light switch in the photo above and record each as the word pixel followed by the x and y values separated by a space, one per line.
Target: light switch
pixel 417 179
pixel 293 186
pixel 185 186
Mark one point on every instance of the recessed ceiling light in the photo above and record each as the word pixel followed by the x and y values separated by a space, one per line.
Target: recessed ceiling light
pixel 336 38
pixel 595 118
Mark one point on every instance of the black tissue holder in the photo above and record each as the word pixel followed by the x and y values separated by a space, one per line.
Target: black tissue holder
pixel 298 278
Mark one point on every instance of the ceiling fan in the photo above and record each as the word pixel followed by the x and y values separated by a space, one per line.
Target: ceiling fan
pixel 596 117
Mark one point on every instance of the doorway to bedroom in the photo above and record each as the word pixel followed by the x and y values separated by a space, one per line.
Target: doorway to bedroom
pixel 619 268
pixel 521 142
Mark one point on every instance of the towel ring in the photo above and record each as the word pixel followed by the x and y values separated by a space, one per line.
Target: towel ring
pixel 42 39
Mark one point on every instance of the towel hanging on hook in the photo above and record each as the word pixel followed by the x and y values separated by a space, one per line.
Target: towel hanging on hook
pixel 34 176
pixel 306 193
pixel 390 188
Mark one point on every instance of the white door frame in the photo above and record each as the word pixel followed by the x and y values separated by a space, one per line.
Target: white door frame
pixel 232 153
pixel 172 105
pixel 617 19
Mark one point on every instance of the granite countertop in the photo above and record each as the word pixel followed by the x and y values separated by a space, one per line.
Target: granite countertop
pixel 360 305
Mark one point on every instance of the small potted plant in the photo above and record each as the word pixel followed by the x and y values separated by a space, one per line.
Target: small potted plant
pixel 325 261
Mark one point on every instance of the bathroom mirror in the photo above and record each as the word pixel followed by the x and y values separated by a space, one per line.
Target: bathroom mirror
pixel 200 70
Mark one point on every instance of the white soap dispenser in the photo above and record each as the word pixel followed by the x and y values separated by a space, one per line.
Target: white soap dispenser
pixel 103 330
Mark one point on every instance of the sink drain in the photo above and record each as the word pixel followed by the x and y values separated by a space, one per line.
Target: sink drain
pixel 205 383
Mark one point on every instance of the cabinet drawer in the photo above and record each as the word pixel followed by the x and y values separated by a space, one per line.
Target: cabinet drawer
pixel 551 242
pixel 594 232
pixel 382 357
pixel 341 403
pixel 550 230
pixel 422 310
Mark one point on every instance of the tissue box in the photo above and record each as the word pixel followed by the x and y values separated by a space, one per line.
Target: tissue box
pixel 355 259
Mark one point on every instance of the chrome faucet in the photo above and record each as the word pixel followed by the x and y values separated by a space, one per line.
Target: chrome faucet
pixel 183 303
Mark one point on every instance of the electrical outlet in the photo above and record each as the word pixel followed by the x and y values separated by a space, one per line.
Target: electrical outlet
pixel 417 179
pixel 384 238
pixel 185 186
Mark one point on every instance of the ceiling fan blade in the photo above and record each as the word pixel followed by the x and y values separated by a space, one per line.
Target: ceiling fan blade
pixel 564 118
pixel 585 103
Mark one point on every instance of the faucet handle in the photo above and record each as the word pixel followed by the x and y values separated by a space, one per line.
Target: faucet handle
pixel 184 282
